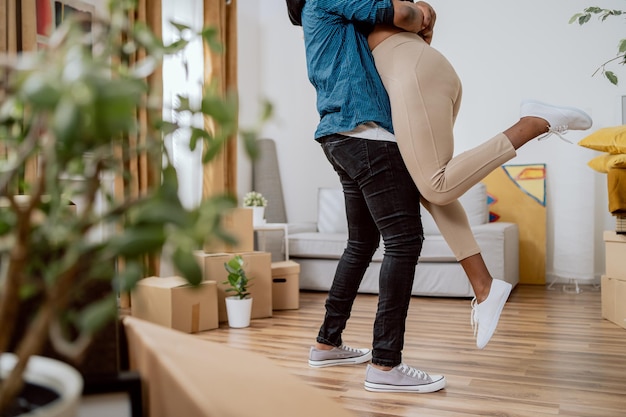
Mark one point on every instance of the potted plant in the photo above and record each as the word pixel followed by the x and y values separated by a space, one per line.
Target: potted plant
pixel 603 14
pixel 74 111
pixel 238 306
pixel 257 202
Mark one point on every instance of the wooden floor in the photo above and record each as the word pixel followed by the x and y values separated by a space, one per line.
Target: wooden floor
pixel 552 355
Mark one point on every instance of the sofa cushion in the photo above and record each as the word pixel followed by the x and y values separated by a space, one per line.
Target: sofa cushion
pixel 474 202
pixel 331 211
pixel 317 245
pixel 332 245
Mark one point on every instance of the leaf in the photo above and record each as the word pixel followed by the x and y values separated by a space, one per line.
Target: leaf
pixel 169 185
pixel 235 264
pixel 7 221
pixel 145 67
pixel 250 143
pixel 197 133
pixel 66 123
pixel 180 26
pixel 611 77
pixel 11 109
pixel 135 242
pixel 268 110
pixel 98 314
pixel 183 104
pixel 593 9
pixel 145 37
pixel 41 92
pixel 209 35
pixel 176 46
pixel 127 279
pixel 574 18
pixel 160 212
pixel 622 46
pixel 167 127
pixel 187 264
pixel 222 111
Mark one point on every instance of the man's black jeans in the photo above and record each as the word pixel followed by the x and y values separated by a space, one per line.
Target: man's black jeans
pixel 381 200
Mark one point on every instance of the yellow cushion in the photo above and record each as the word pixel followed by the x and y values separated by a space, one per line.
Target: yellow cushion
pixel 604 162
pixel 608 139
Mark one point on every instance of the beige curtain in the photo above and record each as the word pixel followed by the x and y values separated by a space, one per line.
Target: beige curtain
pixel 18 33
pixel 221 175
pixel 143 172
pixel 18 29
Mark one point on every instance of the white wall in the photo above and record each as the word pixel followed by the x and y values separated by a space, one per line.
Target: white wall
pixel 503 52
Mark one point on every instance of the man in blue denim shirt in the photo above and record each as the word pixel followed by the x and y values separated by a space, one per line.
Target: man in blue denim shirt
pixel 356 135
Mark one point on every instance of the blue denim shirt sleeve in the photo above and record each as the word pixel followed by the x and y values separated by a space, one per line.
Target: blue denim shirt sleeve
pixel 340 64
pixel 366 11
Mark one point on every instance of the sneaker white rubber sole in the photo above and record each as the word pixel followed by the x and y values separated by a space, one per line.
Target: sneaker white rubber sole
pixel 336 362
pixel 438 383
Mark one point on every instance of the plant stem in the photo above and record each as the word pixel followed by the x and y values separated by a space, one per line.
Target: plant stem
pixel 37 334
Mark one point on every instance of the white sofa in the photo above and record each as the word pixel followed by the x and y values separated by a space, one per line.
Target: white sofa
pixel 437 273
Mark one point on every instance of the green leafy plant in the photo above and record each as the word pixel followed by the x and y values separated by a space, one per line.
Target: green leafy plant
pixel 254 199
pixel 603 14
pixel 238 281
pixel 72 111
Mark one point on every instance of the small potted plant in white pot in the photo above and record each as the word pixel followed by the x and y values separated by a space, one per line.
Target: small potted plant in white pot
pixel 238 306
pixel 257 202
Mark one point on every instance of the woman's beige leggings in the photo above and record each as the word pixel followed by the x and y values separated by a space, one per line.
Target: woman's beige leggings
pixel 425 95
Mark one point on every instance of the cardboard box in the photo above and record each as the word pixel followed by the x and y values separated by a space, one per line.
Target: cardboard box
pixel 615 254
pixel 258 267
pixel 238 223
pixel 613 293
pixel 172 302
pixel 285 285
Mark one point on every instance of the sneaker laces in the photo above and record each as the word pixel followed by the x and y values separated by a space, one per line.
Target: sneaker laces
pixel 556 130
pixel 349 349
pixel 413 372
pixel 474 316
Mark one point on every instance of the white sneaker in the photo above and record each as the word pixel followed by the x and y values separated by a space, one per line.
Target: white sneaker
pixel 402 378
pixel 560 119
pixel 485 315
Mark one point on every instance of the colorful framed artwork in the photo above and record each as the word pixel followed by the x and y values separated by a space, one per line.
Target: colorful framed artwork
pixel 517 194
pixel 52 13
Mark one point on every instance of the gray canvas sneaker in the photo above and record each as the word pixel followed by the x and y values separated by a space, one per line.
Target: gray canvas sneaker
pixel 402 378
pixel 342 355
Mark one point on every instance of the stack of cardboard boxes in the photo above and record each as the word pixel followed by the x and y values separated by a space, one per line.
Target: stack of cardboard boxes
pixel 614 282
pixel 172 303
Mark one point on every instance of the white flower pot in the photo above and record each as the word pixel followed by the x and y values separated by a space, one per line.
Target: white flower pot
pixel 53 374
pixel 258 216
pixel 239 311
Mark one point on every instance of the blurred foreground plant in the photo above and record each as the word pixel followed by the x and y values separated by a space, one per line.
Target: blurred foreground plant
pixel 72 111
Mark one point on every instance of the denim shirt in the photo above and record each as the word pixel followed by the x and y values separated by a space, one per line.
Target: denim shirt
pixel 340 64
